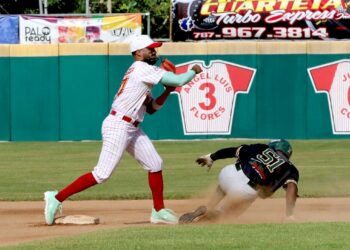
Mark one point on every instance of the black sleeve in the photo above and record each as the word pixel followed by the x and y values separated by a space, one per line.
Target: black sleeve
pixel 291 175
pixel 224 153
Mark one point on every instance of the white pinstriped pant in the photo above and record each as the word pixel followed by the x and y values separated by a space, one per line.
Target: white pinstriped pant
pixel 118 136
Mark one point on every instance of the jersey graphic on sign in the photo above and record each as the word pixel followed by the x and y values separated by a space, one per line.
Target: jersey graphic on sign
pixel 207 102
pixel 334 80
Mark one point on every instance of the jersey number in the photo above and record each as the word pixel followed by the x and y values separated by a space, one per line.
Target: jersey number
pixel 122 86
pixel 271 159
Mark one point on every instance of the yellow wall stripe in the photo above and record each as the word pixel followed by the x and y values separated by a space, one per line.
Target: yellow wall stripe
pixel 67 49
pixel 210 48
pixel 328 47
pixel 25 50
pixel 232 48
pixel 4 50
pixel 183 48
pixel 281 47
pixel 119 49
pixel 180 48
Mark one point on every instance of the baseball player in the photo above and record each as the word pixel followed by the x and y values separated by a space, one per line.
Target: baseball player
pixel 259 171
pixel 121 131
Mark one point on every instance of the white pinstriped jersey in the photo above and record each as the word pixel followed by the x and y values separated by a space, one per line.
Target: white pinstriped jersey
pixel 134 89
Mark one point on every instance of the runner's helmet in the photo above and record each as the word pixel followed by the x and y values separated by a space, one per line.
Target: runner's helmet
pixel 281 145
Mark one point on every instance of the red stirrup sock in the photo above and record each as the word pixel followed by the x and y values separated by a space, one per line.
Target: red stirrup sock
pixel 83 182
pixel 155 181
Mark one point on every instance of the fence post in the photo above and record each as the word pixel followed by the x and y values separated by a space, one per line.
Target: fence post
pixel 87 7
pixel 40 7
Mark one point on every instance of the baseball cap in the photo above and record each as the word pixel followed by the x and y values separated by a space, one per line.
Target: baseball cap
pixel 143 41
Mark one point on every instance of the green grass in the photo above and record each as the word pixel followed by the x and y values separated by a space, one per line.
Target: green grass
pixel 260 236
pixel 28 169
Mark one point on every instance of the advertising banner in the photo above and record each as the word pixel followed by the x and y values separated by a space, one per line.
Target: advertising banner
pixel 257 19
pixel 38 30
pixel 9 29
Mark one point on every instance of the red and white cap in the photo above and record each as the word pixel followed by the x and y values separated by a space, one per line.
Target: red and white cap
pixel 143 41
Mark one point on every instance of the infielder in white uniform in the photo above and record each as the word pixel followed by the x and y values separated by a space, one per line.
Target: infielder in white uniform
pixel 121 131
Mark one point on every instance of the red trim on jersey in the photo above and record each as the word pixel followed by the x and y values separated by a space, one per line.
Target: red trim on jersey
pixel 261 173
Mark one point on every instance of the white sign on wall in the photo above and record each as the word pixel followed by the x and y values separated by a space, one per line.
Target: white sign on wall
pixel 334 80
pixel 46 30
pixel 208 102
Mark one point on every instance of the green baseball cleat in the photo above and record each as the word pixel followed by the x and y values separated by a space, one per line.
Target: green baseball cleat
pixel 163 216
pixel 52 205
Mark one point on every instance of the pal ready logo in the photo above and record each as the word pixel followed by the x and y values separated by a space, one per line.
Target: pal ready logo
pixel 334 80
pixel 207 102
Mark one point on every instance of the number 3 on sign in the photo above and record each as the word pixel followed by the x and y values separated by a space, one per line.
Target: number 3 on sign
pixel 210 104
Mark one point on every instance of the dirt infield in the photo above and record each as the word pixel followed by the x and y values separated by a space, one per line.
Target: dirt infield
pixel 24 221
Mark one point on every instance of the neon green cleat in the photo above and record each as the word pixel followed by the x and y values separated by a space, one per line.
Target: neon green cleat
pixel 52 205
pixel 164 216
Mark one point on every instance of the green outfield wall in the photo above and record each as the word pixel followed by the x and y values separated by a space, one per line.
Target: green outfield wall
pixel 251 89
pixel 5 92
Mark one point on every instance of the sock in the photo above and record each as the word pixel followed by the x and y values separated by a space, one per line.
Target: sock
pixel 83 182
pixel 155 181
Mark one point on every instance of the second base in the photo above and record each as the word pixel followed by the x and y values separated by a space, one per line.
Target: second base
pixel 77 220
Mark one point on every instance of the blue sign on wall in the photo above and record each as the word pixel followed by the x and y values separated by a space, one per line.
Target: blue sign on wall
pixel 9 29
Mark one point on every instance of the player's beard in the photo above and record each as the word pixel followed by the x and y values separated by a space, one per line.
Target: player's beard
pixel 151 60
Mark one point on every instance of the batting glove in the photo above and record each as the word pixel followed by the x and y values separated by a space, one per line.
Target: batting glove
pixel 205 161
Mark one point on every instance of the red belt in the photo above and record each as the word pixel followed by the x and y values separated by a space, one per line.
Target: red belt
pixel 126 118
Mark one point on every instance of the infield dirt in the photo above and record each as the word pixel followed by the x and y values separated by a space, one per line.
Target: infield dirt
pixel 24 221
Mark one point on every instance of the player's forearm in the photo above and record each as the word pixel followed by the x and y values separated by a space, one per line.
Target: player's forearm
pixel 223 153
pixel 157 104
pixel 291 197
pixel 174 80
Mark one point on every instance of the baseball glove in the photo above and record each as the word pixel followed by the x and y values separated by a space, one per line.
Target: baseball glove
pixel 201 214
pixel 167 65
pixel 194 216
pixel 205 161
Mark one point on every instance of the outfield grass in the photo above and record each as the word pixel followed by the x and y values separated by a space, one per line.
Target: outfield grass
pixel 320 236
pixel 28 169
